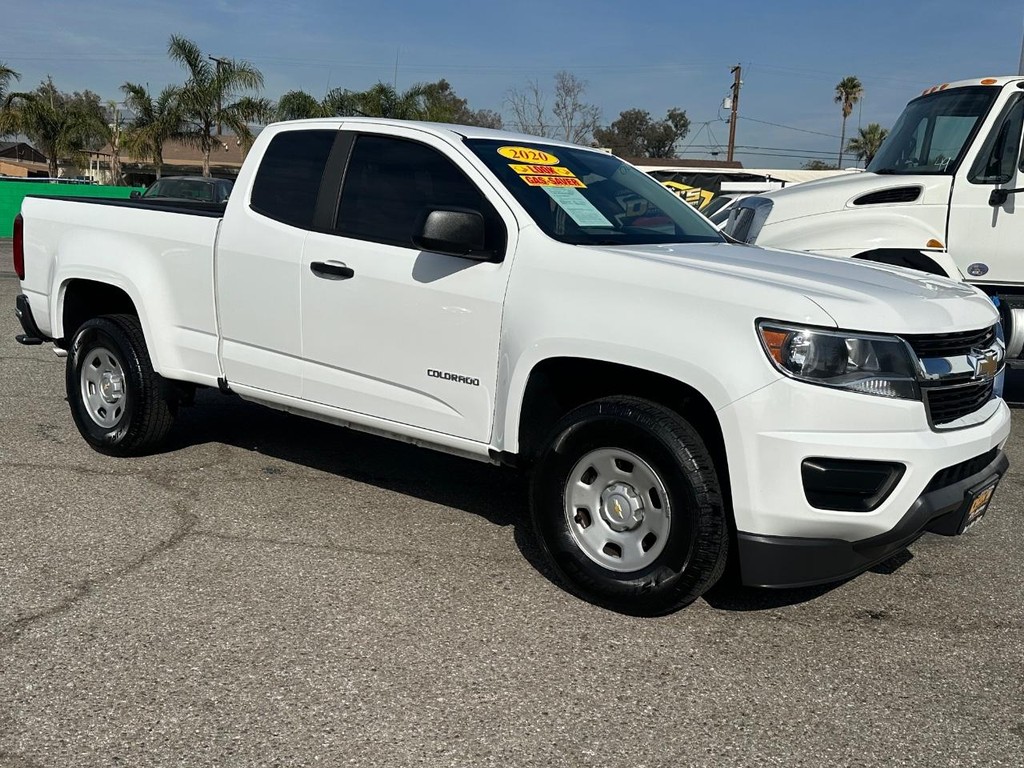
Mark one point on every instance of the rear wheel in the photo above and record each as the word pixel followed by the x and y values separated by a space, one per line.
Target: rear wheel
pixel 627 506
pixel 120 405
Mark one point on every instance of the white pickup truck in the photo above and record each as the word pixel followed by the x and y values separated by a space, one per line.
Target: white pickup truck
pixel 674 396
pixel 940 196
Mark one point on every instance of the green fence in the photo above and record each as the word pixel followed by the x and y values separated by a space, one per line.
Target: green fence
pixel 13 192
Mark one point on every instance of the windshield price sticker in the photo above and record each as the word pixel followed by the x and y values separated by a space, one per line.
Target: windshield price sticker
pixel 553 181
pixel 579 209
pixel 541 170
pixel 528 155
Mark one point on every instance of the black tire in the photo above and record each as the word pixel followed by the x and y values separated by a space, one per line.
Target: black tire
pixel 694 548
pixel 138 419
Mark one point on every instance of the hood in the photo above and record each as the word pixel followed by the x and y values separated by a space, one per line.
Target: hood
pixel 857 295
pixel 858 191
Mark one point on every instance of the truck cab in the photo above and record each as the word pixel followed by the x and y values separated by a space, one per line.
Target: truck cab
pixel 941 196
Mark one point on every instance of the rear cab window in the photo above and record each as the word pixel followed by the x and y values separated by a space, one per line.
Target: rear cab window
pixel 287 181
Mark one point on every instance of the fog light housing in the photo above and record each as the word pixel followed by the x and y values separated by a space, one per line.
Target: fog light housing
pixel 849 485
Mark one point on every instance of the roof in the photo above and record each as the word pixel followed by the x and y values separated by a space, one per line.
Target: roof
pixel 445 130
pixel 994 81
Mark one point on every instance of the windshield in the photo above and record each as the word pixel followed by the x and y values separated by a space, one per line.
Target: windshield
pixel 583 197
pixel 932 134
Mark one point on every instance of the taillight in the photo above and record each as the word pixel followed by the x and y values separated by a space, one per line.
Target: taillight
pixel 19 246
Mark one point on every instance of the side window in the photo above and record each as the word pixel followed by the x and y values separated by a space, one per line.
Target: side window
pixel 998 160
pixel 288 179
pixel 390 185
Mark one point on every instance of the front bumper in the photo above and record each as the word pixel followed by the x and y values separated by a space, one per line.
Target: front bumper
pixel 785 541
pixel 786 561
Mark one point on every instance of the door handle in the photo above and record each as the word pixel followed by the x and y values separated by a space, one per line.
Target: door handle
pixel 331 270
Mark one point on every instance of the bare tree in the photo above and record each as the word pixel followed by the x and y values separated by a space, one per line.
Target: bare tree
pixel 529 109
pixel 571 117
pixel 576 119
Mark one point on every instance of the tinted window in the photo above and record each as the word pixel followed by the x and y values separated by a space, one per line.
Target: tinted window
pixel 391 185
pixel 288 179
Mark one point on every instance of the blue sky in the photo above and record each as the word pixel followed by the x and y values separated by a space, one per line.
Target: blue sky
pixel 653 55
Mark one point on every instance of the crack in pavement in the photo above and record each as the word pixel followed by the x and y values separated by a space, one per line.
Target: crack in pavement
pixel 85 588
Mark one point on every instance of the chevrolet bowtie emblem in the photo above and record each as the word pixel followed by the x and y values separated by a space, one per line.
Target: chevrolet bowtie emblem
pixel 986 363
pixel 618 508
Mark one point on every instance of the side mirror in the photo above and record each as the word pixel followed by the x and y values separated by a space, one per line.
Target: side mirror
pixel 999 196
pixel 454 231
pixel 134 194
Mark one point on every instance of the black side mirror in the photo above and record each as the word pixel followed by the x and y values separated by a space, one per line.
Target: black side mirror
pixel 454 231
pixel 999 196
pixel 134 194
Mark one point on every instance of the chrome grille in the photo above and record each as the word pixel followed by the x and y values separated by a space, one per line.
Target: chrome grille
pixel 947 404
pixel 950 344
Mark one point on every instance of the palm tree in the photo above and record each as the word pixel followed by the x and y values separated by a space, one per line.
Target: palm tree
pixel 865 146
pixel 210 97
pixel 114 134
pixel 849 91
pixel 383 100
pixel 298 105
pixel 61 127
pixel 155 121
pixel 8 122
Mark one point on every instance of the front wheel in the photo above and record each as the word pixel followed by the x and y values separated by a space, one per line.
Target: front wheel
pixel 627 506
pixel 121 406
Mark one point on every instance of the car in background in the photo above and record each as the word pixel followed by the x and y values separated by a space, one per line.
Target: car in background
pixel 192 188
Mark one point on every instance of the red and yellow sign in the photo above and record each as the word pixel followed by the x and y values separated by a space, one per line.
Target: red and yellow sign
pixel 554 181
pixel 528 155
pixel 541 170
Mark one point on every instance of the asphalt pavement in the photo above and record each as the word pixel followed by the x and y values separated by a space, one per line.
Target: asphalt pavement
pixel 275 591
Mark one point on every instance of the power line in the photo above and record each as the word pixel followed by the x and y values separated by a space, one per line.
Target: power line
pixel 790 127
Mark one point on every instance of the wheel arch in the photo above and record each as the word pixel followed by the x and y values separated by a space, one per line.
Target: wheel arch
pixel 82 299
pixel 556 385
pixel 933 262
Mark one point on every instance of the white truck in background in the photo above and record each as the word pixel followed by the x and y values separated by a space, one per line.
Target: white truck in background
pixel 944 194
pixel 674 396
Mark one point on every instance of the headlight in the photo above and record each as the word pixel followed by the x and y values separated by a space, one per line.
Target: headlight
pixel 873 365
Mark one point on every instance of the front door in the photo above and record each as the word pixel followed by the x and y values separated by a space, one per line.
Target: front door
pixel 986 236
pixel 393 331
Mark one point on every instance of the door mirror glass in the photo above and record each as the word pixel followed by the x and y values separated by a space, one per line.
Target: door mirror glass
pixel 454 231
pixel 134 194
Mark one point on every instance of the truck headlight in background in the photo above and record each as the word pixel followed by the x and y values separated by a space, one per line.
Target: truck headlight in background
pixel 872 365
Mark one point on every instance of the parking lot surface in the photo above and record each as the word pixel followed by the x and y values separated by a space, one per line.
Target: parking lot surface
pixel 275 591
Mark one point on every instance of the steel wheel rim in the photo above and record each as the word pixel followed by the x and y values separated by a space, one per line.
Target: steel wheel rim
pixel 103 386
pixel 617 509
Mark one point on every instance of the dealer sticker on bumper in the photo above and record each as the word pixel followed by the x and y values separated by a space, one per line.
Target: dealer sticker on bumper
pixel 979 504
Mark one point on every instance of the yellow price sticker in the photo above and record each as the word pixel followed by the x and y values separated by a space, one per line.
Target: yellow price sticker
pixel 541 170
pixel 528 155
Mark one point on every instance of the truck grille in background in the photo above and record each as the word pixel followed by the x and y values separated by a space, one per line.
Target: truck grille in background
pixel 950 344
pixel 947 404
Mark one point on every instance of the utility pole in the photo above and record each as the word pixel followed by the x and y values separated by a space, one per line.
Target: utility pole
pixel 736 83
pixel 220 62
pixel 1020 67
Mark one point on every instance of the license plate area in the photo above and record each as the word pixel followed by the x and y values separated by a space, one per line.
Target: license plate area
pixel 977 503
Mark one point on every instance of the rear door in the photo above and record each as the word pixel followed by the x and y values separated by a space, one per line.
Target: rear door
pixel 392 331
pixel 259 258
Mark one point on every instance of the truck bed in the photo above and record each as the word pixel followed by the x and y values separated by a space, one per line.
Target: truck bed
pixel 156 254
